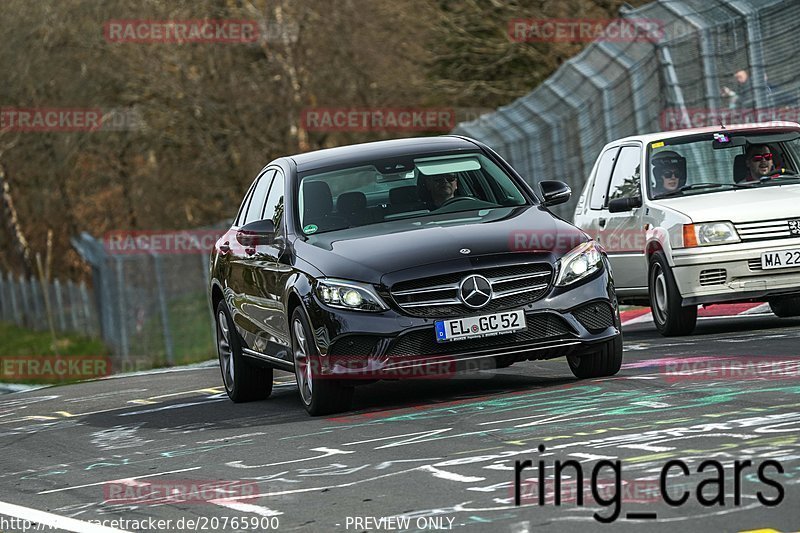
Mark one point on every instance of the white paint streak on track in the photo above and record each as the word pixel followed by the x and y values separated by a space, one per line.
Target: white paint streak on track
pixel 326 452
pixel 119 480
pixel 246 508
pixel 450 476
pixel 54 520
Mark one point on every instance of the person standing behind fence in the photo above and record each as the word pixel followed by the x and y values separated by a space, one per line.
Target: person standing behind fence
pixel 742 97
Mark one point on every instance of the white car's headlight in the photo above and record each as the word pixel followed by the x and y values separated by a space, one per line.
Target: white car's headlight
pixel 709 233
pixel 583 260
pixel 349 295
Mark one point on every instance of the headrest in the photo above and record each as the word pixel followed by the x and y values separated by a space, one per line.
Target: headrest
pixel 740 170
pixel 317 200
pixel 403 195
pixel 351 202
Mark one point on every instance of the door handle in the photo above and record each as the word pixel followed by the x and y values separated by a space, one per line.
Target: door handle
pixel 225 247
pixel 602 222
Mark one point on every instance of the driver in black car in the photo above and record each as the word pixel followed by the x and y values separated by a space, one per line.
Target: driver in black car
pixel 440 188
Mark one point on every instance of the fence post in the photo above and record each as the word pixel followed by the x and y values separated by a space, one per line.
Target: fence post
pixel 73 306
pixel 3 300
pixel 14 304
pixel 62 325
pixel 122 304
pixel 85 305
pixel 162 305
pixel 25 319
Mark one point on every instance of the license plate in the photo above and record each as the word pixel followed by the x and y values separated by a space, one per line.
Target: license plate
pixel 782 259
pixel 480 326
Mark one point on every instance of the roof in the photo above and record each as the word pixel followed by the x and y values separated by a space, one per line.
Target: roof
pixel 731 128
pixel 357 153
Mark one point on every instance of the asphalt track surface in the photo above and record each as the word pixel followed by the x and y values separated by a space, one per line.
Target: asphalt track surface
pixel 430 455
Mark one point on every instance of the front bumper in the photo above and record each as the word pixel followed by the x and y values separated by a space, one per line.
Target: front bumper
pixel 393 345
pixel 733 272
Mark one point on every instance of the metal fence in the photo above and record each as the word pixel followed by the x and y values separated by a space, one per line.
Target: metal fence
pixel 31 304
pixel 153 307
pixel 615 89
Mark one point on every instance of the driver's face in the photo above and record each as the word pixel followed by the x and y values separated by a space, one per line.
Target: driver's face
pixel 760 166
pixel 669 179
pixel 441 187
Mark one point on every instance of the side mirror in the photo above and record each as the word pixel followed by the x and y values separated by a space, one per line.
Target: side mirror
pixel 255 233
pixel 554 192
pixel 620 205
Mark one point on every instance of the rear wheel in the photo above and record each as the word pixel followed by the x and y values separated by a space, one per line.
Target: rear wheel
pixel 320 394
pixel 605 362
pixel 785 307
pixel 670 316
pixel 244 380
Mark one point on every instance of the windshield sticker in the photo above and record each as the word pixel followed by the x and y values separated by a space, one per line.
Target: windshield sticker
pixel 659 144
pixel 721 137
pixel 310 228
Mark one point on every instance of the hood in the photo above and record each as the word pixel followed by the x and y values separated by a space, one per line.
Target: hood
pixel 740 205
pixel 368 253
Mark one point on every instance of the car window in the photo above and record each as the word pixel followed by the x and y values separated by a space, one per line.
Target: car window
pixel 273 210
pixel 626 178
pixel 383 191
pixel 256 206
pixel 243 208
pixel 604 168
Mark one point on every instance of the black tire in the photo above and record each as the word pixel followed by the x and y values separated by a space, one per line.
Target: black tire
pixel 244 380
pixel 671 317
pixel 319 396
pixel 605 362
pixel 785 307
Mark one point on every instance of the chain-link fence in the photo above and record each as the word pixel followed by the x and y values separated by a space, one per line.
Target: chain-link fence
pixel 35 304
pixel 690 76
pixel 151 294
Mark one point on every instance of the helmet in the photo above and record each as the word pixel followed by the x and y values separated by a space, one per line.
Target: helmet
pixel 671 160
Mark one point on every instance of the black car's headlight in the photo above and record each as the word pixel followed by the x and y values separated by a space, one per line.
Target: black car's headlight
pixel 583 260
pixel 349 295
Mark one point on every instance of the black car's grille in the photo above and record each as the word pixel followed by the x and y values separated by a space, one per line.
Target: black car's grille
pixel 437 296
pixel 541 326
pixel 595 317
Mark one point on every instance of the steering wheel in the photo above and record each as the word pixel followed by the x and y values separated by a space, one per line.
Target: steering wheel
pixel 454 199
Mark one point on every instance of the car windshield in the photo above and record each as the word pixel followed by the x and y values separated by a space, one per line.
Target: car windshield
pixel 722 161
pixel 390 190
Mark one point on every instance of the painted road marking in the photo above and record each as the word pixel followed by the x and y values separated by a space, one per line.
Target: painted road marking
pixel 54 520
pixel 119 480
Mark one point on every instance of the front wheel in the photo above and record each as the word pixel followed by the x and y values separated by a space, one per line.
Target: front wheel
pixel 320 394
pixel 605 362
pixel 244 381
pixel 785 307
pixel 670 316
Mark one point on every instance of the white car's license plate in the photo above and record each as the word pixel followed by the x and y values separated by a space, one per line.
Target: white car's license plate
pixel 781 259
pixel 480 326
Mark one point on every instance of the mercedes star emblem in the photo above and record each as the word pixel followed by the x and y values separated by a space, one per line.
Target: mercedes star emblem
pixel 475 291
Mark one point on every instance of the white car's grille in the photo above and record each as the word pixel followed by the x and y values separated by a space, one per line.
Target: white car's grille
pixel 754 264
pixel 768 229
pixel 716 276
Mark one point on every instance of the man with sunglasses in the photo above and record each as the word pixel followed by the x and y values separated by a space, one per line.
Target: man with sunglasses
pixel 759 161
pixel 440 188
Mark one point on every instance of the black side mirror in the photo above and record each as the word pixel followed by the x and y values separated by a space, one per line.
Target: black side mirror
pixel 255 233
pixel 554 192
pixel 620 205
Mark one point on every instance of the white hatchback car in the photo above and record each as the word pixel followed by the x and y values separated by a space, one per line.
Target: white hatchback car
pixel 715 219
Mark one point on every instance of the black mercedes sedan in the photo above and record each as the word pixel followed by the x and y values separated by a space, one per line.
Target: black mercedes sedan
pixel 410 258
